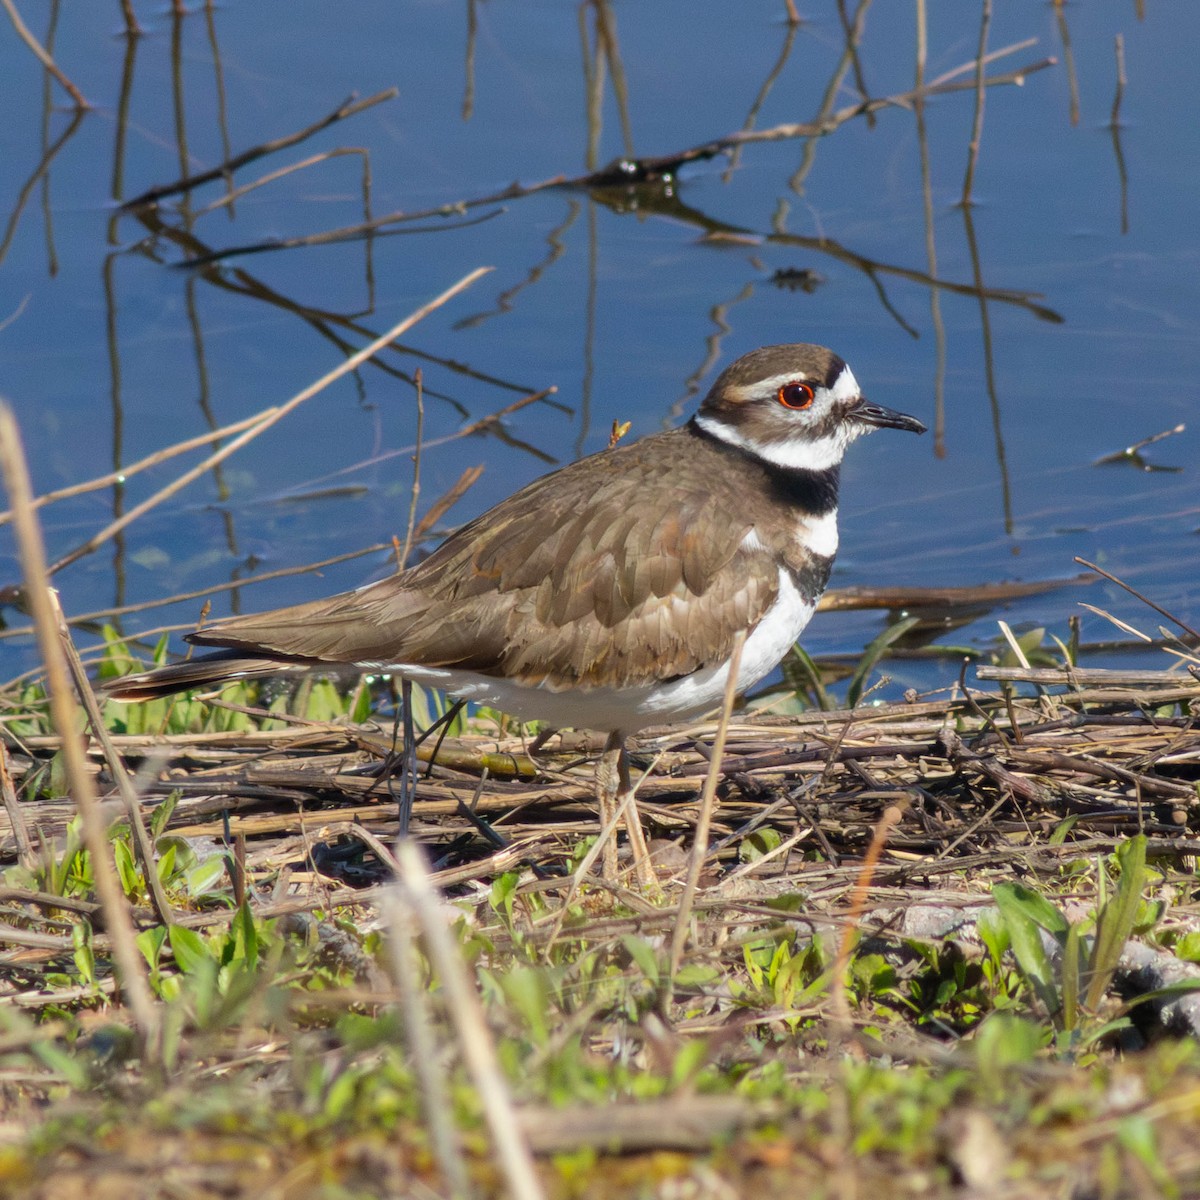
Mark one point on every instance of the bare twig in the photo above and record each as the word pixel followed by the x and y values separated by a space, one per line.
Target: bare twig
pixel 235 194
pixel 980 94
pixel 1064 33
pixel 277 415
pixel 41 55
pixel 436 511
pixel 1119 49
pixel 418 379
pixel 1158 608
pixel 12 806
pixel 349 108
pixel 858 903
pixel 627 172
pixel 151 460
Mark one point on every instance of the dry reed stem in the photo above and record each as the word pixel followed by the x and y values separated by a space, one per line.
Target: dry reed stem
pixel 230 448
pixel 12 806
pixel 482 425
pixel 643 868
pixel 349 108
pixel 401 920
pixel 436 511
pixel 1162 612
pixel 700 836
pixel 128 960
pixel 152 460
pixel 237 193
pixel 133 812
pixel 609 823
pixel 980 95
pixel 858 903
pixel 415 491
pixel 810 129
pixel 1122 80
pixel 475 1040
pixel 42 56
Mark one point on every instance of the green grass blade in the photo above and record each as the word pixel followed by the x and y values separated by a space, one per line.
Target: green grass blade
pixel 873 653
pixel 1116 919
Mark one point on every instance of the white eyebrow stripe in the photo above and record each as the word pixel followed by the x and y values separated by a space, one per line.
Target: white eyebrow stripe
pixel 844 387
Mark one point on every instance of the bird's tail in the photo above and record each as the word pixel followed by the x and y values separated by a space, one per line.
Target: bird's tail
pixel 206 671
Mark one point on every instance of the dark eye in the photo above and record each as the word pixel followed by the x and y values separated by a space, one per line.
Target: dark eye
pixel 795 395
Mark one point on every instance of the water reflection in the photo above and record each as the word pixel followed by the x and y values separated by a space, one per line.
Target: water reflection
pixel 726 188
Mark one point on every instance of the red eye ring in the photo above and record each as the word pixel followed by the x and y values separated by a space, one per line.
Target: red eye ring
pixel 795 395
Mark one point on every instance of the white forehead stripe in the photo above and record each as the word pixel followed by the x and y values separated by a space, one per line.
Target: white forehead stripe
pixel 843 388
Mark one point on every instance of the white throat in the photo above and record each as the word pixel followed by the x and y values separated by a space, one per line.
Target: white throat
pixel 799 454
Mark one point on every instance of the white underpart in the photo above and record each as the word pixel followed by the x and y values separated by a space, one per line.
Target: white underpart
pixel 819 535
pixel 812 535
pixel 628 709
pixel 801 453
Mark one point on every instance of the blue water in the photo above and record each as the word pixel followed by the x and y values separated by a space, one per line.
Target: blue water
pixel 111 350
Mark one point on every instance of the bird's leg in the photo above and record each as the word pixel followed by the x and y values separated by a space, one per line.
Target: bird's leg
pixel 408 772
pixel 643 869
pixel 614 793
pixel 608 785
pixel 441 727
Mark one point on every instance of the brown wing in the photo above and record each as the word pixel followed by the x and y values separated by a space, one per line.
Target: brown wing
pixel 600 574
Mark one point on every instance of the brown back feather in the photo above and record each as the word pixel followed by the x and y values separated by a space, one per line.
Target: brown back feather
pixel 652 569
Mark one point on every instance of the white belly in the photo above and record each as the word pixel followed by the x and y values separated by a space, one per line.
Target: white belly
pixel 628 709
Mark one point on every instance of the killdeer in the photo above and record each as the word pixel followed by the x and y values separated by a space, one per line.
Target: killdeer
pixel 609 594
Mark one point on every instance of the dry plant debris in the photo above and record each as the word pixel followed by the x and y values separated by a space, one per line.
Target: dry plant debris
pixel 286 834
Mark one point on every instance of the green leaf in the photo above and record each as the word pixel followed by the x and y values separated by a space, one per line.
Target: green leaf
pixel 246 934
pixel 526 990
pixel 166 863
pixel 1013 897
pixel 150 943
pixel 1117 917
pixel 873 653
pixel 1071 970
pixel 162 815
pixel 501 897
pixel 1188 947
pixel 994 933
pixel 690 1057
pixel 85 958
pixel 1137 1134
pixel 760 842
pixel 644 955
pixel 189 948
pixel 1004 1041
pixel 801 674
pixel 207 875
pixel 1024 913
pixel 126 868
pixel 1062 829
